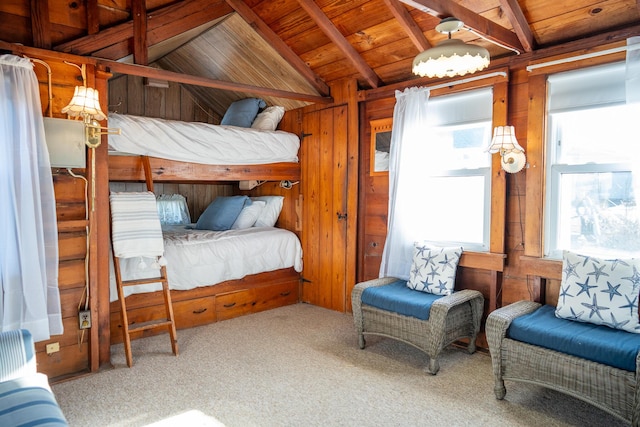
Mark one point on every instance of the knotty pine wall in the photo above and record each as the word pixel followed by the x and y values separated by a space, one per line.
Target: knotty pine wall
pixel 523 269
pixel 374 200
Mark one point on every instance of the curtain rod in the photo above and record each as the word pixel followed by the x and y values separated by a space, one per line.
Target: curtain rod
pixel 584 56
pixel 468 80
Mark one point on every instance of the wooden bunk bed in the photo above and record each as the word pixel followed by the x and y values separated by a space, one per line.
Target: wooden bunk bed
pixel 219 301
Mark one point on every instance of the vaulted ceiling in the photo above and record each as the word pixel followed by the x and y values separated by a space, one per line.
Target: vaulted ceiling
pixel 289 52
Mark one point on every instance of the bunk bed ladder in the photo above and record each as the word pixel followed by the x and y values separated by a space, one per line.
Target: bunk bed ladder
pixel 167 323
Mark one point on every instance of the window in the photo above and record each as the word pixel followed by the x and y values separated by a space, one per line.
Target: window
pixel 592 184
pixel 455 172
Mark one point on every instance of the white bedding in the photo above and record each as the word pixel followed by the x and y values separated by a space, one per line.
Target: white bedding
pixel 201 257
pixel 201 142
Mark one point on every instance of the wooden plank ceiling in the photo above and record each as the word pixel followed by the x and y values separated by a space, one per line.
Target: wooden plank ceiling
pixel 290 51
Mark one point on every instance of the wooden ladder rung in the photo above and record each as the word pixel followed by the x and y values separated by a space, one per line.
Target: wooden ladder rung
pixel 142 281
pixel 149 325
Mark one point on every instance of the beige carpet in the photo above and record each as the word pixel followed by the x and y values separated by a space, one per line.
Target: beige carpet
pixel 300 366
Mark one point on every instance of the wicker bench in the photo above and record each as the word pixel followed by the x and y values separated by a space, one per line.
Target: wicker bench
pixel 451 318
pixel 609 388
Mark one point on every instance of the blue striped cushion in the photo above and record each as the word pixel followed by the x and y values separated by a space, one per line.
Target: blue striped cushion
pixel 398 298
pixel 28 401
pixel 18 357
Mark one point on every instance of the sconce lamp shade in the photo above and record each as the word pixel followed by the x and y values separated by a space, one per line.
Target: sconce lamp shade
pixel 451 57
pixel 504 141
pixel 85 103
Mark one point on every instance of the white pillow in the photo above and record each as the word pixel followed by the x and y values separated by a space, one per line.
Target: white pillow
pixel 269 118
pixel 248 215
pixel 433 269
pixel 269 215
pixel 600 291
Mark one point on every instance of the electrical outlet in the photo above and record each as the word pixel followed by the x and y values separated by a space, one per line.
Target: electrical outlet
pixel 84 318
pixel 53 347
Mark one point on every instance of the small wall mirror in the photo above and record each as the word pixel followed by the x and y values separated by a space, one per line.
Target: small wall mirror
pixel 380 145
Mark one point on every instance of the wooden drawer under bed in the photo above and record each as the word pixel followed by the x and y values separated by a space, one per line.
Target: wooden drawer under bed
pixel 209 304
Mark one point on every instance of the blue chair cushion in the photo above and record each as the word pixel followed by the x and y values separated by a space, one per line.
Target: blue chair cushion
pixel 398 298
pixel 597 343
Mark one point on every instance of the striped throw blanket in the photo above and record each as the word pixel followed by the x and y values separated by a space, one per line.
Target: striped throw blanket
pixel 135 226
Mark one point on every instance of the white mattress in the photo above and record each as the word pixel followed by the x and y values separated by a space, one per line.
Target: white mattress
pixel 201 142
pixel 201 257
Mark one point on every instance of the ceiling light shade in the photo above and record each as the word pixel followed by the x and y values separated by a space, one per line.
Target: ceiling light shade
pixel 504 141
pixel 451 57
pixel 85 103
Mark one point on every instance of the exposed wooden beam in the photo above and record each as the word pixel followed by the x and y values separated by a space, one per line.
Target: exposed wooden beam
pixel 412 29
pixel 171 20
pixel 341 42
pixel 145 71
pixel 279 45
pixel 514 13
pixel 93 17
pixel 447 8
pixel 40 24
pixel 140 51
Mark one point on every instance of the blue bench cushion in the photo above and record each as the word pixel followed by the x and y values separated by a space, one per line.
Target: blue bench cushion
pixel 398 298
pixel 597 343
pixel 28 401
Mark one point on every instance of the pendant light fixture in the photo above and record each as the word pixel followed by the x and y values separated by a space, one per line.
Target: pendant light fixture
pixel 451 57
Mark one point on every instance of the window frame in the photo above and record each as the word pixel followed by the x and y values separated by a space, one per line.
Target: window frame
pixel 533 259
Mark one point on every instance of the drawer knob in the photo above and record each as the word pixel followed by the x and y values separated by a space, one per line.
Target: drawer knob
pixel 284 294
pixel 229 305
pixel 199 311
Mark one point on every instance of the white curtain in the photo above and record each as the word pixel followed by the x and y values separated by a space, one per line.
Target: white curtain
pixel 405 166
pixel 29 251
pixel 632 86
pixel 632 75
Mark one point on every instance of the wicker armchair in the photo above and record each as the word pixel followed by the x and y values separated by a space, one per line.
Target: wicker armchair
pixel 611 389
pixel 451 317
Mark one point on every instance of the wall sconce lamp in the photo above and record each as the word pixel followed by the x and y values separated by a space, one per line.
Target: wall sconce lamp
pixel 288 185
pixel 86 104
pixel 512 154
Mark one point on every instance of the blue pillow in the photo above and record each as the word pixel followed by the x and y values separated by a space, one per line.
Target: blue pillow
pixel 242 113
pixel 222 213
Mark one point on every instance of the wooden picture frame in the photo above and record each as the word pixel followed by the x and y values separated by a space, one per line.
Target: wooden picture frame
pixel 380 146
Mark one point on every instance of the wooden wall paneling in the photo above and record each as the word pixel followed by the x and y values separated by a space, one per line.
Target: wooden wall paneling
pixel 498 179
pixel 134 97
pixel 374 194
pixel 350 190
pixel 341 286
pixel 327 215
pixel 155 102
pixel 187 106
pixel 362 198
pixel 100 239
pixel 173 106
pixel 118 94
pixel 535 172
pixel 310 184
